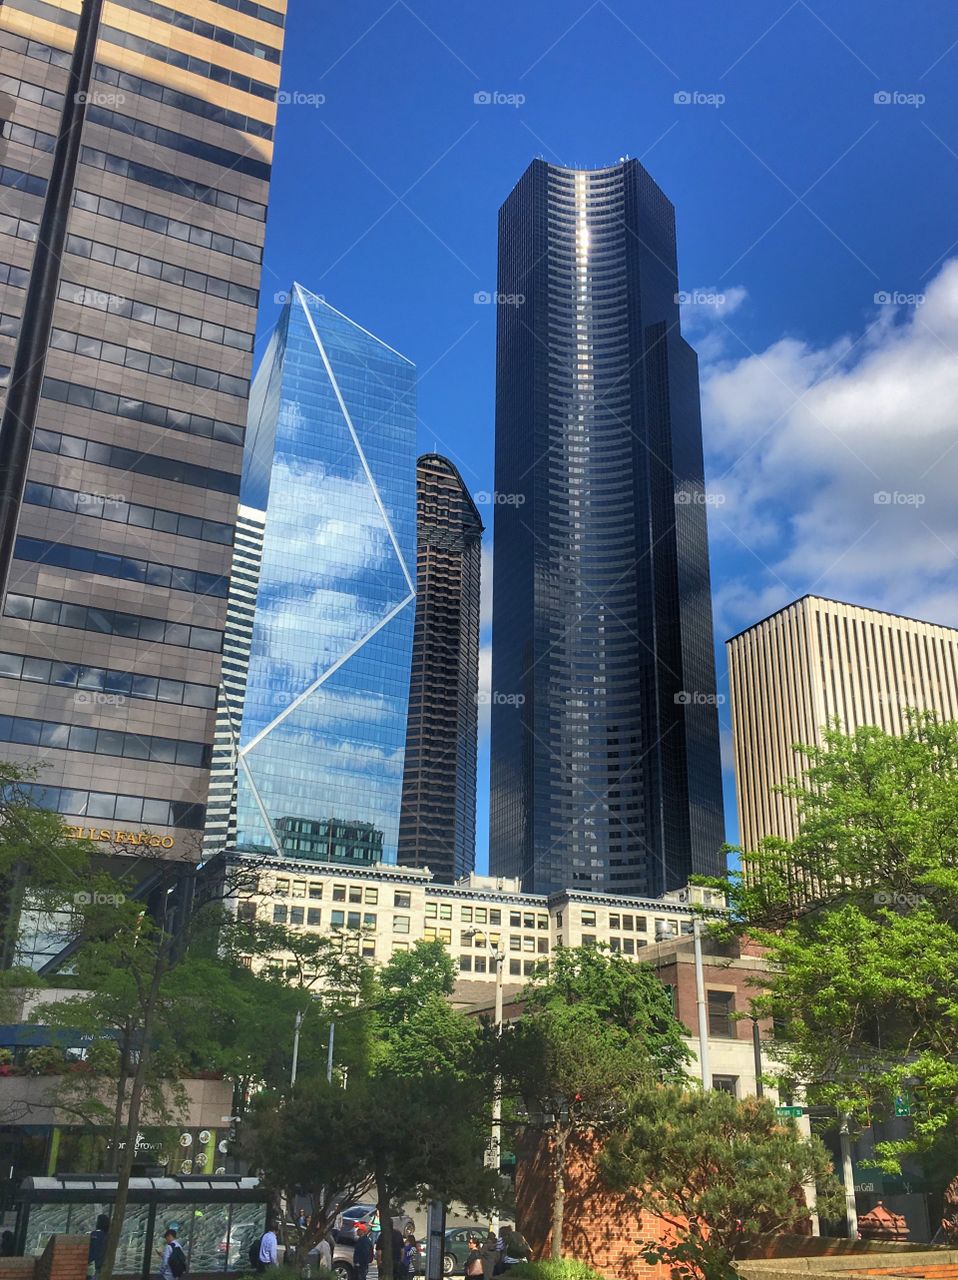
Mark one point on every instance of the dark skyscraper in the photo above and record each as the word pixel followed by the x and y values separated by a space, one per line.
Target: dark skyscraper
pixel 605 754
pixel 437 827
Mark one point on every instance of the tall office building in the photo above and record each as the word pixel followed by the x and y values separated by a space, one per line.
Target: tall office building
pixel 313 716
pixel 112 628
pixel 437 827
pixel 605 756
pixel 812 662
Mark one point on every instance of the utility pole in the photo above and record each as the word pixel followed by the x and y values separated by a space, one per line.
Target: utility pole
pixel 848 1177
pixel 702 1007
pixel 757 1053
pixel 296 1029
pixel 499 957
pixel 329 1053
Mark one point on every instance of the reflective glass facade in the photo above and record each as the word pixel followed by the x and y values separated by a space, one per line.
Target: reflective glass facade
pixel 331 462
pixel 605 753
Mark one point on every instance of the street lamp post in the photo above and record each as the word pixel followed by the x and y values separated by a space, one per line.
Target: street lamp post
pixel 498 956
pixel 704 1062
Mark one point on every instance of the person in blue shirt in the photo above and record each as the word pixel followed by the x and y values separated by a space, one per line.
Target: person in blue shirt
pixel 269 1247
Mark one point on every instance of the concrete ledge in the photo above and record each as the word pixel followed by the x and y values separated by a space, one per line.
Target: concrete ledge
pixel 898 1259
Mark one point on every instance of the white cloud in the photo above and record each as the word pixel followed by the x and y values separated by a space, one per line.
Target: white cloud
pixel 485 691
pixel 485 596
pixel 839 465
pixel 704 311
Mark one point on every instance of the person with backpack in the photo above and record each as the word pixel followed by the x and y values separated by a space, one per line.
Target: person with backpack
pixel 172 1259
pixel 515 1247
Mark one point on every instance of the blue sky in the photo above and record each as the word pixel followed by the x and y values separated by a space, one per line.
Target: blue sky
pixel 811 151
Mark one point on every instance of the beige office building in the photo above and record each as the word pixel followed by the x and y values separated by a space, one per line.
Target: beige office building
pixel 111 635
pixel 812 662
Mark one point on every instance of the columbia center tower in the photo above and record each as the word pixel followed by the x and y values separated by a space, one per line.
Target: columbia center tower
pixel 605 751
pixel 111 635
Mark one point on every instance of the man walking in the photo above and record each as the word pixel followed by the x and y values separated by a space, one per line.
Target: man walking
pixel 363 1251
pixel 269 1246
pixel 172 1258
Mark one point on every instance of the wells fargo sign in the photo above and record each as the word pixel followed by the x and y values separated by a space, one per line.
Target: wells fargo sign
pixel 148 839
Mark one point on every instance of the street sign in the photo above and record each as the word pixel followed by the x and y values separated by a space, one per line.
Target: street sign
pixel 903 1105
pixel 794 1112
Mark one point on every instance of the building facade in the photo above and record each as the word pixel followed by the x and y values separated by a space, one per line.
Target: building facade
pixel 111 634
pixel 437 827
pixel 605 754
pixel 811 663
pixel 320 686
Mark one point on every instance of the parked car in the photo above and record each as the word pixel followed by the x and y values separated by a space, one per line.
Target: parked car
pixel 346 1228
pixel 456 1248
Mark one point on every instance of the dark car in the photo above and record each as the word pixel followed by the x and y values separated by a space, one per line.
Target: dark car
pixel 456 1248
pixel 346 1229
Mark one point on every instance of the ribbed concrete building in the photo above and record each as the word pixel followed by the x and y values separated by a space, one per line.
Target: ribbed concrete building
pixel 812 662
pixel 112 628
pixel 437 825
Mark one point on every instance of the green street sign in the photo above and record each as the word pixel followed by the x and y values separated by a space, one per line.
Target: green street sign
pixel 794 1112
pixel 903 1105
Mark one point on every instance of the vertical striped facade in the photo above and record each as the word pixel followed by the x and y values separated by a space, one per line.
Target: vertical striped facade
pixel 812 662
pixel 112 629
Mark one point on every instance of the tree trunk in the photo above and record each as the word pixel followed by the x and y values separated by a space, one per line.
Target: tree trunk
pixel 133 1114
pixel 113 1155
pixel 385 1225
pixel 558 1195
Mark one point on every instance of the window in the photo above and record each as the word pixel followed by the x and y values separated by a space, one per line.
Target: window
pixel 528 944
pixel 445 935
pixel 369 948
pixel 515 943
pixel 316 889
pixel 430 911
pixel 279 915
pixel 296 915
pixel 528 968
pixel 282 887
pixel 495 938
pixel 727 1084
pixel 429 933
pixel 558 919
pixel 337 919
pixel 369 919
pixel 543 946
pixel 615 921
pixel 543 922
pixel 628 946
pixel 445 911
pixel 352 920
pixel 480 964
pixel 400 924
pixel 515 919
pixel 466 914
pixel 299 888
pixel 465 964
pixel 495 917
pixel 615 944
pixel 480 916
pixel 588 939
pixel 314 917
pixel 339 893
pixel 402 899
pixel 246 911
pixel 466 939
pixel 641 924
pixel 528 920
pixel 587 920
pixel 371 897
pixel 627 923
pixel 400 946
pixel 721 1006
pixel 355 893
pixel 515 968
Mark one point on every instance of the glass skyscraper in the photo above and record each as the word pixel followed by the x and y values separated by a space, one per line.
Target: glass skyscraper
pixel 605 751
pixel 330 466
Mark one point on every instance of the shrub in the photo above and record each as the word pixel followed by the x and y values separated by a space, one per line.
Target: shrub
pixel 567 1269
pixel 45 1059
pixel 292 1273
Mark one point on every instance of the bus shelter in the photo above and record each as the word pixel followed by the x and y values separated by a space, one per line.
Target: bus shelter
pixel 216 1218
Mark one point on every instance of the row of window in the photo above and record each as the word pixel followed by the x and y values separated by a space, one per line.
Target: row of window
pixel 166 181
pixel 193 375
pixel 105 506
pixel 111 622
pixel 19 228
pixel 253 10
pixel 103 742
pixel 104 680
pixel 105 806
pixel 155 269
pixel 183 101
pixel 27 182
pixel 186 22
pixel 17 276
pixel 29 92
pixel 134 216
pixel 517 968
pixel 156 415
pixel 107 565
pixel 182 142
pixel 159 317
pixel 28 137
pixel 136 461
pixel 185 61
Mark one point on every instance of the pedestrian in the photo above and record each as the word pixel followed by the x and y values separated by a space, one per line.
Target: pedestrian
pixel 172 1257
pixel 98 1243
pixel 391 1239
pixel 7 1245
pixel 515 1247
pixel 490 1255
pixel 324 1252
pixel 269 1246
pixel 474 1264
pixel 362 1251
pixel 410 1251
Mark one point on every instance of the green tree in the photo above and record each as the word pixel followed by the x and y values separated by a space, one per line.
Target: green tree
pixel 860 915
pixel 718 1173
pixel 594 1028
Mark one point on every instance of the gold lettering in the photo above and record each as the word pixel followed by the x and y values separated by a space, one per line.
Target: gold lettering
pixel 167 842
